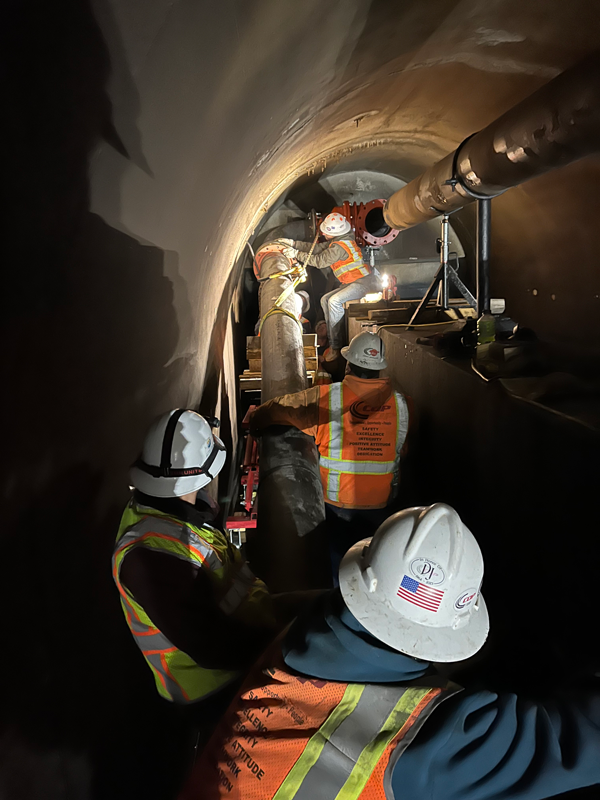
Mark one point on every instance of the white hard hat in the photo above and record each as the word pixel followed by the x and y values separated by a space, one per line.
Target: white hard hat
pixel 335 225
pixel 180 455
pixel 305 299
pixel 366 350
pixel 415 585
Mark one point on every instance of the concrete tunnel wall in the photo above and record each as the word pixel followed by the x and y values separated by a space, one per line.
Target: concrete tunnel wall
pixel 143 143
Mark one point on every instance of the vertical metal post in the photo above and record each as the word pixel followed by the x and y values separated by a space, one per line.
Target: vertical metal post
pixel 484 222
pixel 444 257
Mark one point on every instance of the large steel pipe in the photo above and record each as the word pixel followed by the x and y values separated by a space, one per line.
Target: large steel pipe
pixel 289 548
pixel 556 125
pixel 282 353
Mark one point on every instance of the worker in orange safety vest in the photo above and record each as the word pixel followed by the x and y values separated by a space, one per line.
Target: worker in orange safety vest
pixel 360 428
pixel 344 256
pixel 354 701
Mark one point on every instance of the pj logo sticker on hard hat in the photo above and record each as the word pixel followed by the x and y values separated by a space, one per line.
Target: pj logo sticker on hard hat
pixel 418 594
pixel 428 571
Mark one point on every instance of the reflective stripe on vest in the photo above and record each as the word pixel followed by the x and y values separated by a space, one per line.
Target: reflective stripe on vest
pixel 178 677
pixel 333 460
pixel 290 737
pixel 338 761
pixel 353 267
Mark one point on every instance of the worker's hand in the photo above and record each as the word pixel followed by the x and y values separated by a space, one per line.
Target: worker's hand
pixel 291 253
pixel 289 242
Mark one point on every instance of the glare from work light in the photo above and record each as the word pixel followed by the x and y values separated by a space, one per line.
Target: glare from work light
pixel 385 279
pixel 374 297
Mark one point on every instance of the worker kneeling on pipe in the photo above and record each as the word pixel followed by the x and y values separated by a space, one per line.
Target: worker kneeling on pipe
pixel 344 256
pixel 360 427
pixel 195 609
pixel 348 704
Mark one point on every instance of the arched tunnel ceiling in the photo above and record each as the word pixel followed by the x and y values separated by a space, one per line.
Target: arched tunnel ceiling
pixel 221 109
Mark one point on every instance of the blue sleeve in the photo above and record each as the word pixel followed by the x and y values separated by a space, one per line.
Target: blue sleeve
pixel 483 745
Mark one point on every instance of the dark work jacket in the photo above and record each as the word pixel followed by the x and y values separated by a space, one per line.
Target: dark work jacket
pixel 478 745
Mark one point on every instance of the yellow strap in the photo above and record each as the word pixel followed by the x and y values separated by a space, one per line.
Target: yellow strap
pixel 289 289
pixel 278 274
pixel 301 276
pixel 276 310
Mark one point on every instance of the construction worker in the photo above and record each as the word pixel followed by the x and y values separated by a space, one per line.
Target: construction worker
pixel 194 608
pixel 348 703
pixel 360 427
pixel 344 256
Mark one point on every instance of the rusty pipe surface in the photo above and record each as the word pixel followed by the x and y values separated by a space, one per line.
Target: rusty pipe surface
pixel 556 125
pixel 289 551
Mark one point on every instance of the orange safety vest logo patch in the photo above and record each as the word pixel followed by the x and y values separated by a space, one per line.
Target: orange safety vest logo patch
pixel 360 446
pixel 352 267
pixel 283 736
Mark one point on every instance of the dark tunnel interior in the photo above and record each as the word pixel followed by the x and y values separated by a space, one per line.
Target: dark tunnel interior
pixel 145 144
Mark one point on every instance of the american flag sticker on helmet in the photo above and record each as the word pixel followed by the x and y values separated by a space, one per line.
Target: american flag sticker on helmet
pixel 420 595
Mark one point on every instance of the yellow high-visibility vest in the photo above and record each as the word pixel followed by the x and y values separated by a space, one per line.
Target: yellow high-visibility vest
pixel 237 591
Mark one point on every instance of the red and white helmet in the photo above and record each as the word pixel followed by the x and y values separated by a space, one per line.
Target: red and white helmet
pixel 366 350
pixel 335 225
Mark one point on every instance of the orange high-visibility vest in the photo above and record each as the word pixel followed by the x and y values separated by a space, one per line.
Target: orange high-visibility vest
pixel 352 267
pixel 287 737
pixel 359 447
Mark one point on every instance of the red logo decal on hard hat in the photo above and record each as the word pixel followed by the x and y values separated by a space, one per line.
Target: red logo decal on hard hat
pixel 370 351
pixel 465 599
pixel 427 571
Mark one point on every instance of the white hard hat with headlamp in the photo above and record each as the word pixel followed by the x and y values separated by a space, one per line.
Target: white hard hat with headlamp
pixel 181 454
pixel 366 350
pixel 415 585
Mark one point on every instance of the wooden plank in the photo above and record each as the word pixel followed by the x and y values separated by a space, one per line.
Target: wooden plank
pixel 357 309
pixel 388 315
pixel 250 385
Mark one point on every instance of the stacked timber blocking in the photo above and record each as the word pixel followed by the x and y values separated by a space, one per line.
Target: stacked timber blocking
pixel 250 379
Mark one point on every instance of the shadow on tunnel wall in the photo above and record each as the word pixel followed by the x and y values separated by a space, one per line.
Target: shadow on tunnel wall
pixel 88 323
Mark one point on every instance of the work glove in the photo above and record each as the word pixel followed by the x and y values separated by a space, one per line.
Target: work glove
pixel 291 253
pixel 289 242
